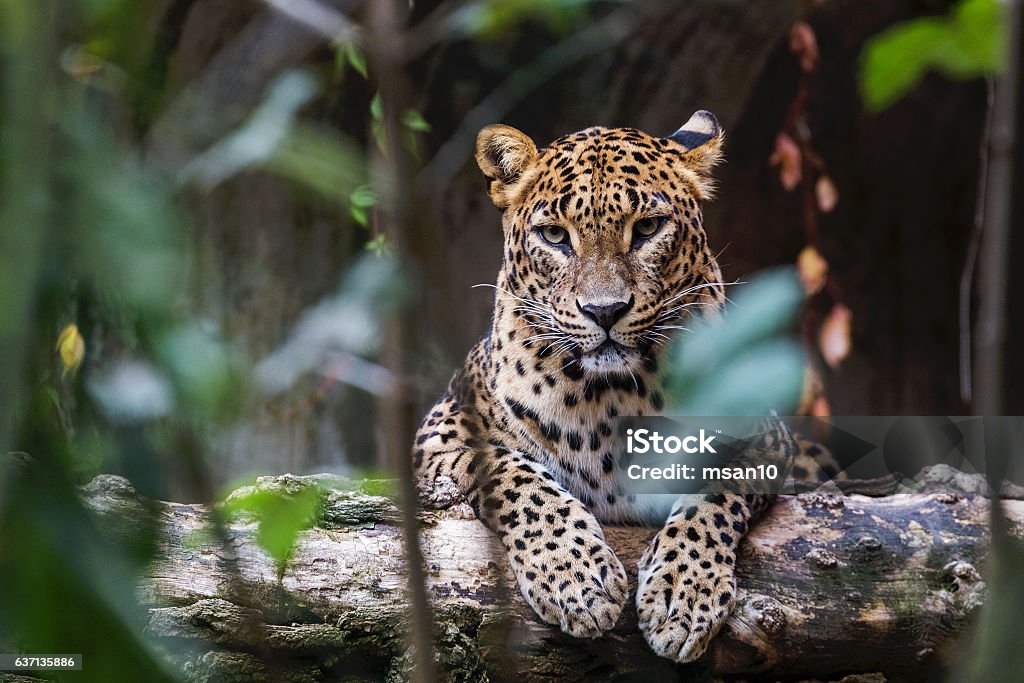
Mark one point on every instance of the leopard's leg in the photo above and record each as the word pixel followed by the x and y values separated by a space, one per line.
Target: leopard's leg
pixel 814 463
pixel 564 568
pixel 686 584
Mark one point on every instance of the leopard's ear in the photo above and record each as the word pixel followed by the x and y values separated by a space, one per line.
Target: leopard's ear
pixel 503 154
pixel 702 138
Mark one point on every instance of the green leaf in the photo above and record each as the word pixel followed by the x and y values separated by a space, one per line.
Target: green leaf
pixel 379 245
pixel 363 196
pixel 359 215
pixel 282 516
pixel 356 59
pixel 413 120
pixel 764 376
pixel 895 61
pixel 376 108
pixel 745 363
pixel 968 42
pixel 760 310
pixel 126 236
pixel 361 199
pixel 978 40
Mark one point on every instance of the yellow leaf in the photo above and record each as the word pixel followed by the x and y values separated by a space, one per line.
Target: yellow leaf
pixel 71 348
pixel 813 270
pixel 834 341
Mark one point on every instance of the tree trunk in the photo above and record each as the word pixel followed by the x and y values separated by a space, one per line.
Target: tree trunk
pixel 828 584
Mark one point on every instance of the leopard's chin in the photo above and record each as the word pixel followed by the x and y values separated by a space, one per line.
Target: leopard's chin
pixel 610 357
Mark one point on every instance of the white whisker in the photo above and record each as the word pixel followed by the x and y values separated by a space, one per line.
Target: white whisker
pixel 633 375
pixel 545 335
pixel 703 285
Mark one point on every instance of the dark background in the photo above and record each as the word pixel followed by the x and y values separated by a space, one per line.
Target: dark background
pixel 907 180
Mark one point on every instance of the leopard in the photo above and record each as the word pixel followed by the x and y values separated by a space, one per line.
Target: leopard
pixel 604 253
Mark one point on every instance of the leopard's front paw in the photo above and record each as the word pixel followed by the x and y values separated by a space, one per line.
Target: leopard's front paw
pixel 686 589
pixel 571 578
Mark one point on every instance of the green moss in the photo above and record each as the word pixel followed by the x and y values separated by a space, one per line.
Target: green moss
pixel 378 487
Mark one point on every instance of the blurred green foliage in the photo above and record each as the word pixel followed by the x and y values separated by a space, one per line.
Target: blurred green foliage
pixel 412 123
pixel 285 507
pixel 360 202
pixel 94 243
pixel 968 42
pixel 281 515
pixel 86 227
pixel 493 18
pixel 92 236
pixel 350 55
pixel 745 362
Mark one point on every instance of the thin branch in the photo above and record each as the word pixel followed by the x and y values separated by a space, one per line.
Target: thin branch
pixel 995 240
pixel 394 174
pixel 971 260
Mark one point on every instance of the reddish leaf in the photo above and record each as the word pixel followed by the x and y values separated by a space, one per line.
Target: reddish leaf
pixel 821 408
pixel 834 340
pixel 804 44
pixel 826 193
pixel 789 160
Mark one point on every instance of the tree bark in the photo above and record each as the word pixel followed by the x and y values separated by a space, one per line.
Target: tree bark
pixel 828 584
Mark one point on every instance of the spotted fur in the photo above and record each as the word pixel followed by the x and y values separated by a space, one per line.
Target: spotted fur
pixel 604 254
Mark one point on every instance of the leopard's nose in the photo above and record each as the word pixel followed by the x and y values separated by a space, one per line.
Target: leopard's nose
pixel 605 315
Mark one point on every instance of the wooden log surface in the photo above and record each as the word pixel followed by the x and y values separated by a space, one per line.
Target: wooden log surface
pixel 829 585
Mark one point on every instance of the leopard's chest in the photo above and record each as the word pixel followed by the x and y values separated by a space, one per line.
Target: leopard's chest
pixel 567 422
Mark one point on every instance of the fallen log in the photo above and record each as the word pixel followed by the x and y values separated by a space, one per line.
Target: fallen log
pixel 829 585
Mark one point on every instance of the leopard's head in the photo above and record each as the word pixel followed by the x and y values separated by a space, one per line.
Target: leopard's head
pixel 605 250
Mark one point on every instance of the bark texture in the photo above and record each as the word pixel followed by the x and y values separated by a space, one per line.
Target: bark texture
pixel 829 585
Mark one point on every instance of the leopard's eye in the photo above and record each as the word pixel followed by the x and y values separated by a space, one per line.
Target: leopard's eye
pixel 646 227
pixel 554 234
